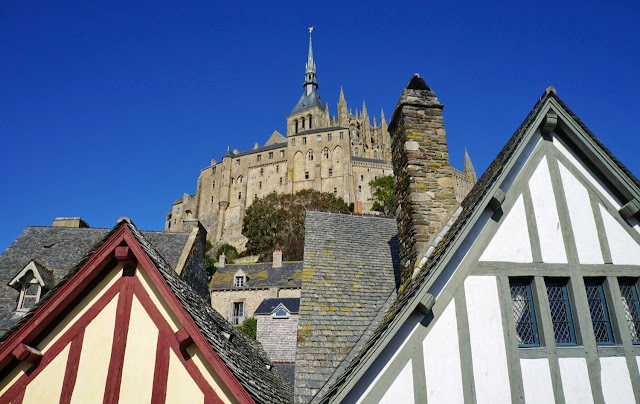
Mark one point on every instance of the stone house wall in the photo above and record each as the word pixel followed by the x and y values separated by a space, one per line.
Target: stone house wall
pixel 221 300
pixel 278 336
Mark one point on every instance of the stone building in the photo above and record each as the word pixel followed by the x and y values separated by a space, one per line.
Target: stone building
pixel 238 289
pixel 336 154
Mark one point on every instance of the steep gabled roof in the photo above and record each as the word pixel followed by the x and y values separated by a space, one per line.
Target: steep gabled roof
pixel 58 249
pixel 243 357
pixel 349 282
pixel 269 304
pixel 414 291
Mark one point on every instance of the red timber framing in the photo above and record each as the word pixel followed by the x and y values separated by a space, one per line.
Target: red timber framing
pixel 77 287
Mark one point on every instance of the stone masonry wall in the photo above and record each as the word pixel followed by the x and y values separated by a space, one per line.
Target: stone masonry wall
pixel 278 336
pixel 424 184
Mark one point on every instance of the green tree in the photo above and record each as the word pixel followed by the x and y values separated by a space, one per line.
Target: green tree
pixel 277 221
pixel 250 327
pixel 229 251
pixel 384 196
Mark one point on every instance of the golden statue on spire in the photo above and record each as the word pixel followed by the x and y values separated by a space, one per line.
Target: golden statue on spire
pixel 310 29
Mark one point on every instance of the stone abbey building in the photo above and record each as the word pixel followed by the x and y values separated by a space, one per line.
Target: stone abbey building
pixel 340 155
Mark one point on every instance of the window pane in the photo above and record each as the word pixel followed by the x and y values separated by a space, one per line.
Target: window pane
pixel 32 289
pixel 524 314
pixel 561 313
pixel 599 314
pixel 631 305
pixel 28 302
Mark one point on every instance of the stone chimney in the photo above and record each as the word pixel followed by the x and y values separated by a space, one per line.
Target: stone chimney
pixel 423 177
pixel 73 222
pixel 277 259
pixel 222 261
pixel 357 207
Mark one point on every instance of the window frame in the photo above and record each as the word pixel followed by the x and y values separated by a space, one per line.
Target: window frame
pixel 599 284
pixel 635 297
pixel 519 282
pixel 563 285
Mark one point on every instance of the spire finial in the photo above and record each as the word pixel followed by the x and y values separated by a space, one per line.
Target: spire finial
pixel 310 82
pixel 468 166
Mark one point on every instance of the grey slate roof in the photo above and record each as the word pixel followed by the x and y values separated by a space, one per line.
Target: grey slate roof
pixel 262 149
pixel 307 101
pixel 349 280
pixel 475 200
pixel 368 160
pixel 244 357
pixel 269 304
pixel 58 249
pixel 259 275
pixel 312 131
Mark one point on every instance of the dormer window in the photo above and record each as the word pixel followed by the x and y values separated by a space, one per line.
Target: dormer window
pixel 239 279
pixel 280 312
pixel 32 282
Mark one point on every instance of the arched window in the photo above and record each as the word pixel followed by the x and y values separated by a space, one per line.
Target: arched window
pixel 296 126
pixel 375 154
pixel 325 153
pixel 310 120
pixel 240 179
pixel 356 153
pixel 302 123
pixel 310 155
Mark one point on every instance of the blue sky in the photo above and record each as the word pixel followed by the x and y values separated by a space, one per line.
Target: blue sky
pixel 111 109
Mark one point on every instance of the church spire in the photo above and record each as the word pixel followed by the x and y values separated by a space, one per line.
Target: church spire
pixel 310 82
pixel 468 166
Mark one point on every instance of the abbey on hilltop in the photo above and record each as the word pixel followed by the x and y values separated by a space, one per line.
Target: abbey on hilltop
pixel 340 155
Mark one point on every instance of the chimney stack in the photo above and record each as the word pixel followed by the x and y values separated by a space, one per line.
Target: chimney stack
pixel 423 177
pixel 222 261
pixel 72 222
pixel 277 259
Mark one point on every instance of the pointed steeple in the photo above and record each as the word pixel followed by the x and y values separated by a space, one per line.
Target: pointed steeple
pixel 342 109
pixel 375 124
pixel 382 120
pixel 341 99
pixel 310 82
pixel 468 166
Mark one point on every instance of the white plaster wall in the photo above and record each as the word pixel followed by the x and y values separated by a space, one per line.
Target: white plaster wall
pixel 585 171
pixel 511 241
pixel 47 386
pixel 616 381
pixel 536 380
pixel 401 391
pixel 490 371
pixel 624 249
pixel 582 220
pixel 575 380
pixel 95 356
pixel 442 360
pixel 548 223
pixel 139 356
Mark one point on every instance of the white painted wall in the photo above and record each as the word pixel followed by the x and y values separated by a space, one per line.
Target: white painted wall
pixel 575 380
pixel 536 380
pixel 401 391
pixel 511 241
pixel 616 381
pixel 586 172
pixel 442 359
pixel 488 350
pixel 624 249
pixel 548 223
pixel 582 220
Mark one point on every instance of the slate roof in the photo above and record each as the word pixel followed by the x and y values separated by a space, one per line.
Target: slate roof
pixel 307 101
pixel 349 280
pixel 475 200
pixel 244 357
pixel 368 160
pixel 259 276
pixel 269 304
pixel 58 249
pixel 312 131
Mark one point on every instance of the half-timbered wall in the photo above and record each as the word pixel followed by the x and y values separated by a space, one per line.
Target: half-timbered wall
pixel 118 344
pixel 558 227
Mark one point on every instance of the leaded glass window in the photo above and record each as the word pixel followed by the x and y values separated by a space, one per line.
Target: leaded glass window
pixel 561 317
pixel 631 304
pixel 524 314
pixel 599 313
